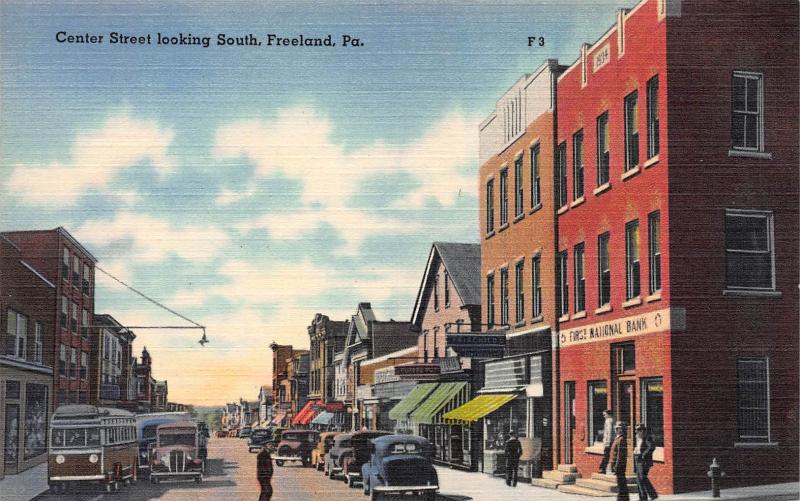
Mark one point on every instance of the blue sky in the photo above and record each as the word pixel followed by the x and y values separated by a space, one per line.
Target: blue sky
pixel 251 187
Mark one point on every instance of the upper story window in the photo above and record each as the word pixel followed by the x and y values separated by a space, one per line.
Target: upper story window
pixel 603 270
pixel 512 113
pixel 76 271
pixel 749 251
pixel 752 388
pixel 490 206
pixel 632 259
pixel 654 250
pixel 62 357
pixel 562 287
pixel 490 300
pixel 16 334
pixel 504 296
pixel 577 165
pixel 536 181
pixel 65 265
pixel 519 287
pixel 85 323
pixel 503 197
pixel 38 352
pixel 580 279
pixel 603 153
pixel 74 324
pixel 64 312
pixel 446 289
pixel 652 117
pixel 436 292
pixel 86 279
pixel 747 117
pixel 536 286
pixel 518 192
pixel 561 175
pixel 631 130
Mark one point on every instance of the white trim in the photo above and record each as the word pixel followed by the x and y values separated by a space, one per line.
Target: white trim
pixel 394 354
pixel 23 364
pixel 535 330
pixel 769 396
pixel 759 77
pixel 651 161
pixel 603 187
pixel 762 155
pixel 48 282
pixel 630 173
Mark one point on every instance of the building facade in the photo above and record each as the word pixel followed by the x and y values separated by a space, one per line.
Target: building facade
pixel 145 383
pixel 327 337
pixel 111 365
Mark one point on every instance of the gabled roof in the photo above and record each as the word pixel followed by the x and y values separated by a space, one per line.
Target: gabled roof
pixel 463 264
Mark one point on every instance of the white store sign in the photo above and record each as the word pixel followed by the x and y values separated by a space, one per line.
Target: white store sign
pixel 646 323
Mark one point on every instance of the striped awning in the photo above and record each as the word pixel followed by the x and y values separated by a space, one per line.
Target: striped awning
pixel 307 413
pixel 478 407
pixel 406 406
pixel 278 419
pixel 427 410
pixel 324 418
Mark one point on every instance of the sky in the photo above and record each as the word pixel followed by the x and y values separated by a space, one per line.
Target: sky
pixel 251 187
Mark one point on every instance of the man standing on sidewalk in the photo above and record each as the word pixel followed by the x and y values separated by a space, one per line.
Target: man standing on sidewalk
pixel 513 452
pixel 264 473
pixel 619 462
pixel 608 438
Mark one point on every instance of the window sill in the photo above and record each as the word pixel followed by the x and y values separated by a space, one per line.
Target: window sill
pixel 578 201
pixel 563 318
pixel 751 293
pixel 651 162
pixel 519 217
pixel 502 227
pixel 537 319
pixel 603 187
pixel 630 172
pixel 579 315
pixel 754 445
pixel 595 449
pixel 603 309
pixel 762 155
pixel 519 324
pixel 656 296
pixel 562 210
pixel 490 234
pixel 635 301
pixel 535 208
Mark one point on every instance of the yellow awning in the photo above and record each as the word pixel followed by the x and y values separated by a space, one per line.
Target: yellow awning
pixel 478 407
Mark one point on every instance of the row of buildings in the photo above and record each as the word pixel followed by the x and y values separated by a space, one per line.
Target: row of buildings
pixel 638 253
pixel 56 349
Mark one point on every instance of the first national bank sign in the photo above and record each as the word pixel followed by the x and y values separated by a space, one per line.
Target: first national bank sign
pixel 646 323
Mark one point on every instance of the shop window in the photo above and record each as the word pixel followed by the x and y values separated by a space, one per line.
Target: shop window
pixel 562 302
pixel 503 197
pixel 603 271
pixel 747 116
pixel 752 387
pixel 632 260
pixel 536 181
pixel 652 408
pixel 654 250
pixel 577 165
pixel 16 334
pixel 12 389
pixel 598 402
pixel 519 272
pixel 536 286
pixel 35 420
pixel 561 175
pixel 490 206
pixel 580 279
pixel 749 250
pixel 603 153
pixel 631 131
pixel 519 203
pixel 652 117
pixel 504 296
pixel 11 434
pixel 490 300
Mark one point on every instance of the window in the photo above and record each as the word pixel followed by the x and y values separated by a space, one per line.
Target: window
pixel 84 365
pixel 74 324
pixel 598 402
pixel 446 289
pixel 624 358
pixel 652 117
pixel 603 155
pixel 632 259
pixel 749 250
pixel 73 363
pixel 577 165
pixel 64 312
pixel 435 342
pixel 580 279
pixel 504 296
pixel 631 131
pixel 654 250
pixel 62 366
pixel 752 387
pixel 562 302
pixel 85 323
pixel 65 265
pixel 490 300
pixel 76 271
pixel 603 271
pixel 747 117
pixel 86 279
pixel 436 292
pixel 38 343
pixel 490 206
pixel 561 175
pixel 503 197
pixel 519 272
pixel 16 334
pixel 519 203
pixel 536 286
pixel 536 182
pixel 652 406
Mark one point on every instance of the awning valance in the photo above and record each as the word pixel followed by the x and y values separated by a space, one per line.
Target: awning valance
pixel 324 418
pixel 427 410
pixel 404 407
pixel 478 407
pixel 306 414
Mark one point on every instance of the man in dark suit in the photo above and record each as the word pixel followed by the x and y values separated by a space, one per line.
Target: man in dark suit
pixel 264 473
pixel 513 450
pixel 619 461
pixel 642 461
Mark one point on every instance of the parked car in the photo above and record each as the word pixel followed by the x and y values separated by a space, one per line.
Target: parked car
pixel 258 439
pixel 400 464
pixel 322 448
pixel 221 434
pixel 360 441
pixel 245 432
pixel 340 450
pixel 146 426
pixel 296 445
pixel 177 452
pixel 276 436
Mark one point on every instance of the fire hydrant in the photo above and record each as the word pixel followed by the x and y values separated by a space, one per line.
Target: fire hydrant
pixel 715 473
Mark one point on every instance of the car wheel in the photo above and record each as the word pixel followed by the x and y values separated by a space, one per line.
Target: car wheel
pixel 279 462
pixel 374 495
pixel 430 496
pixel 350 482
pixel 198 479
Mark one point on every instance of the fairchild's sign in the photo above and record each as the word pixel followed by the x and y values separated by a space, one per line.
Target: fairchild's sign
pixel 646 323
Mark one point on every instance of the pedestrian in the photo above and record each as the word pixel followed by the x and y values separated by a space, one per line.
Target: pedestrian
pixel 264 473
pixel 643 461
pixel 513 451
pixel 619 461
pixel 608 438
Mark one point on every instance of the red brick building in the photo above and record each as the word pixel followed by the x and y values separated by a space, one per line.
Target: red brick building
pixel 63 261
pixel 676 268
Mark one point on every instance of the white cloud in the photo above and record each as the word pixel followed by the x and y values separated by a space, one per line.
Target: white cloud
pixel 96 157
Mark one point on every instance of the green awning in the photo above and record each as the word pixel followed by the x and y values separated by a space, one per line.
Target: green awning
pixel 479 407
pixel 404 407
pixel 432 405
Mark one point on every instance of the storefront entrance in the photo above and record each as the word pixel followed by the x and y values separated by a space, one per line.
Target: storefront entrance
pixel 623 398
pixel 570 422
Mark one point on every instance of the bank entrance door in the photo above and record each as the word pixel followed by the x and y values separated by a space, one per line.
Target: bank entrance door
pixel 569 421
pixel 623 364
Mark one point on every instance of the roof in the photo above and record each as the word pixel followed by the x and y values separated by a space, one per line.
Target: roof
pixel 63 232
pixel 463 264
pixel 177 424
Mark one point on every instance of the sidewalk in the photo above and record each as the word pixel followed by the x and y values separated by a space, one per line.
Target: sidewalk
pixel 456 485
pixel 24 486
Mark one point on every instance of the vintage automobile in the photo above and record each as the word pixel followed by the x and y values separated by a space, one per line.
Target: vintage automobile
pixel 146 425
pixel 322 448
pixel 245 432
pixel 361 442
pixel 296 445
pixel 340 450
pixel 276 436
pixel 177 452
pixel 221 434
pixel 258 439
pixel 400 464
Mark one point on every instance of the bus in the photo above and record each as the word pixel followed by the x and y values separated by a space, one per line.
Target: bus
pixel 91 444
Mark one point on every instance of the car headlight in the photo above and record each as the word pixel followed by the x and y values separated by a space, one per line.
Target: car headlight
pixel 93 458
pixel 188 457
pixel 60 459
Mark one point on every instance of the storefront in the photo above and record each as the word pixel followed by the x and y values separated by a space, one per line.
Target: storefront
pixel 426 420
pixel 400 413
pixel 307 413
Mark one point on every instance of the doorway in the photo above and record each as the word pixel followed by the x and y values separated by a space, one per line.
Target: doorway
pixel 569 422
pixel 625 411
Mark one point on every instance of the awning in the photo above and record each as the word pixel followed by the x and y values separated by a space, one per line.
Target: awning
pixel 432 405
pixel 278 419
pixel 306 414
pixel 404 407
pixel 324 418
pixel 479 407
